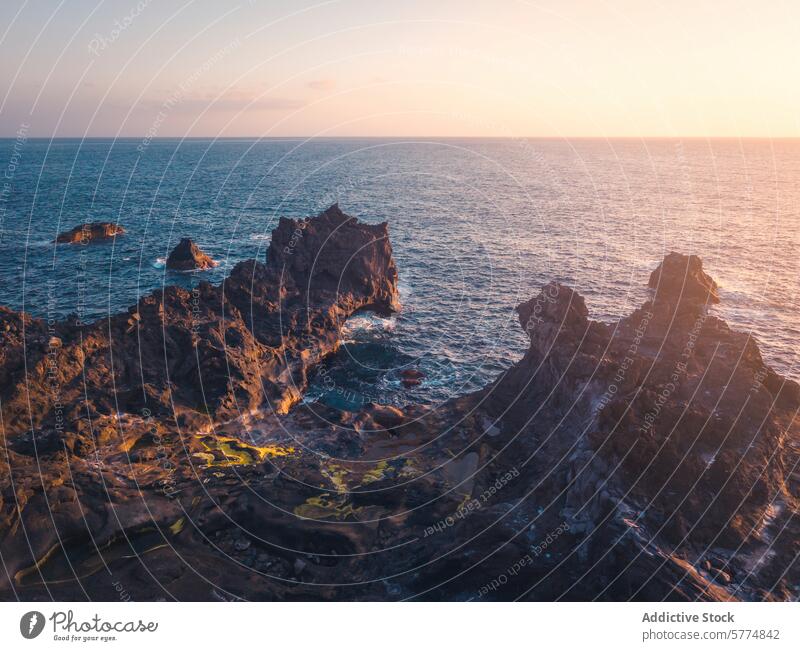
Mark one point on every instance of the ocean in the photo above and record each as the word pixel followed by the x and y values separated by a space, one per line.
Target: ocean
pixel 477 226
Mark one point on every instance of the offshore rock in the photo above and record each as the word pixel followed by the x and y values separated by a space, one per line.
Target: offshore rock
pixel 90 232
pixel 411 377
pixel 187 256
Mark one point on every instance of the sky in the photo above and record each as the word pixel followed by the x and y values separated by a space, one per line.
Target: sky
pixel 506 68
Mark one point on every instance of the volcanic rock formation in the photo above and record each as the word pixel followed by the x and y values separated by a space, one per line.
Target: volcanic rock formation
pixel 208 355
pixel 650 458
pixel 187 256
pixel 90 232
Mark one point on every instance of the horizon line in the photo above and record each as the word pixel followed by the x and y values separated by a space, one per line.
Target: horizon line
pixel 17 136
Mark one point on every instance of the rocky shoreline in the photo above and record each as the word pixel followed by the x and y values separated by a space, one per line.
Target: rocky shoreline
pixel 166 450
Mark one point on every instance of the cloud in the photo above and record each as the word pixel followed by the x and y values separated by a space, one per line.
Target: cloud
pixel 321 84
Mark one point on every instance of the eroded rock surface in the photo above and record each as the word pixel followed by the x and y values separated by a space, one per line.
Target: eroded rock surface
pixel 651 458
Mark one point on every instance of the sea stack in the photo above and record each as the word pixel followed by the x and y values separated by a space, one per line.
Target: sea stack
pixel 334 257
pixel 90 232
pixel 187 256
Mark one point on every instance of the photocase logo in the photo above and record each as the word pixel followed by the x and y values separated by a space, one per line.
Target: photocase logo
pixel 31 624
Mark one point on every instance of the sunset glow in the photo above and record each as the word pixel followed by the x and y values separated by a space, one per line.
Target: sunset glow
pixel 347 67
pixel 306 302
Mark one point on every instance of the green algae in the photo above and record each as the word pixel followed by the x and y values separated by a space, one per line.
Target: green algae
pixel 324 507
pixel 346 478
pixel 224 452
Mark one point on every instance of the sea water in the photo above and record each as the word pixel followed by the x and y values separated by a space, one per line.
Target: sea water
pixel 477 226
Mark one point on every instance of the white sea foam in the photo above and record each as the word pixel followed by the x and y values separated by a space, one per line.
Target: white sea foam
pixel 364 323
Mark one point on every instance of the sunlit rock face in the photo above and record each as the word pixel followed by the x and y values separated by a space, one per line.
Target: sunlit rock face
pixel 334 259
pixel 90 232
pixel 187 256
pixel 650 458
pixel 216 351
pixel 681 279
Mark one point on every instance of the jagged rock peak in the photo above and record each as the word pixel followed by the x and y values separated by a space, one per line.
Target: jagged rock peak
pixel 334 253
pixel 680 278
pixel 187 256
pixel 556 310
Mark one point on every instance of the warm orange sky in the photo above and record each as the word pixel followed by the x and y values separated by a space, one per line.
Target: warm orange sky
pixel 353 67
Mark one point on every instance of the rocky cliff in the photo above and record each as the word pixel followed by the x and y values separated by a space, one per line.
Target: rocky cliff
pixel 164 450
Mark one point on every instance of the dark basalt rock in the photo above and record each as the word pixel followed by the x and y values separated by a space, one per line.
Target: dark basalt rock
pixel 225 351
pixel 187 256
pixel 411 377
pixel 334 256
pixel 90 232
pixel 648 459
pixel 681 278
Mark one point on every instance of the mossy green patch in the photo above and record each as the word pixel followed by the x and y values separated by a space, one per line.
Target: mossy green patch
pixel 345 477
pixel 223 452
pixel 325 507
